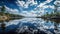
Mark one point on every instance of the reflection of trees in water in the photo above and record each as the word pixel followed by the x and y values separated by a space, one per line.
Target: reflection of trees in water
pixel 56 20
pixel 56 30
pixel 56 24
pixel 3 26
pixel 47 21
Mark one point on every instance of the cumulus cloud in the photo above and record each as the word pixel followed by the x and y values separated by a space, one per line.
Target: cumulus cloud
pixel 21 3
pixel 57 3
pixel 12 11
pixel 26 4
pixel 28 14
pixel 39 10
pixel 0 7
pixel 42 4
pixel 24 13
pixel 58 9
pixel 42 11
pixel 48 6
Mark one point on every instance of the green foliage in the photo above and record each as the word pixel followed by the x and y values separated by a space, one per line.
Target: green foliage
pixel 3 9
pixel 56 14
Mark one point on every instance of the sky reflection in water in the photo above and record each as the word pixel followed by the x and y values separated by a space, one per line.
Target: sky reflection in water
pixel 35 23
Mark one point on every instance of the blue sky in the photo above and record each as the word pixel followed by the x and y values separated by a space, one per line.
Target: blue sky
pixel 28 7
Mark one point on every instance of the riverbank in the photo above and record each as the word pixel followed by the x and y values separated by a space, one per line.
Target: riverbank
pixel 7 16
pixel 3 17
pixel 55 15
pixel 52 17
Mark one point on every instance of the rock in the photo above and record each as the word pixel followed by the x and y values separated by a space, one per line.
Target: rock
pixel 3 18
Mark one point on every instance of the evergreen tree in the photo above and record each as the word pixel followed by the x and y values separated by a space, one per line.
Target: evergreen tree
pixel 3 9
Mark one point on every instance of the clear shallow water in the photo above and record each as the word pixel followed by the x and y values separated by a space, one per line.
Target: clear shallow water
pixel 46 26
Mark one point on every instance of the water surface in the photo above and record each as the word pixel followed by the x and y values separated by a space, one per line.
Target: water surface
pixel 47 26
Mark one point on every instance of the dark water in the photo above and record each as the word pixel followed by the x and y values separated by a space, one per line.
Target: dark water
pixel 31 26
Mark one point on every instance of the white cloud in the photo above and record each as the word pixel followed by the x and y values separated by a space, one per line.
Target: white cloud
pixel 42 4
pixel 15 11
pixel 12 11
pixel 57 3
pixel 20 3
pixel 33 3
pixel 32 13
pixel 49 1
pixel 29 14
pixel 26 4
pixel 0 8
pixel 48 6
pixel 40 8
pixel 58 9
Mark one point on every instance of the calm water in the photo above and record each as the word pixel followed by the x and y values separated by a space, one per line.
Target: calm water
pixel 47 26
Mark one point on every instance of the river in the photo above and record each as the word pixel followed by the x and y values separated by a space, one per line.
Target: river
pixel 33 24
